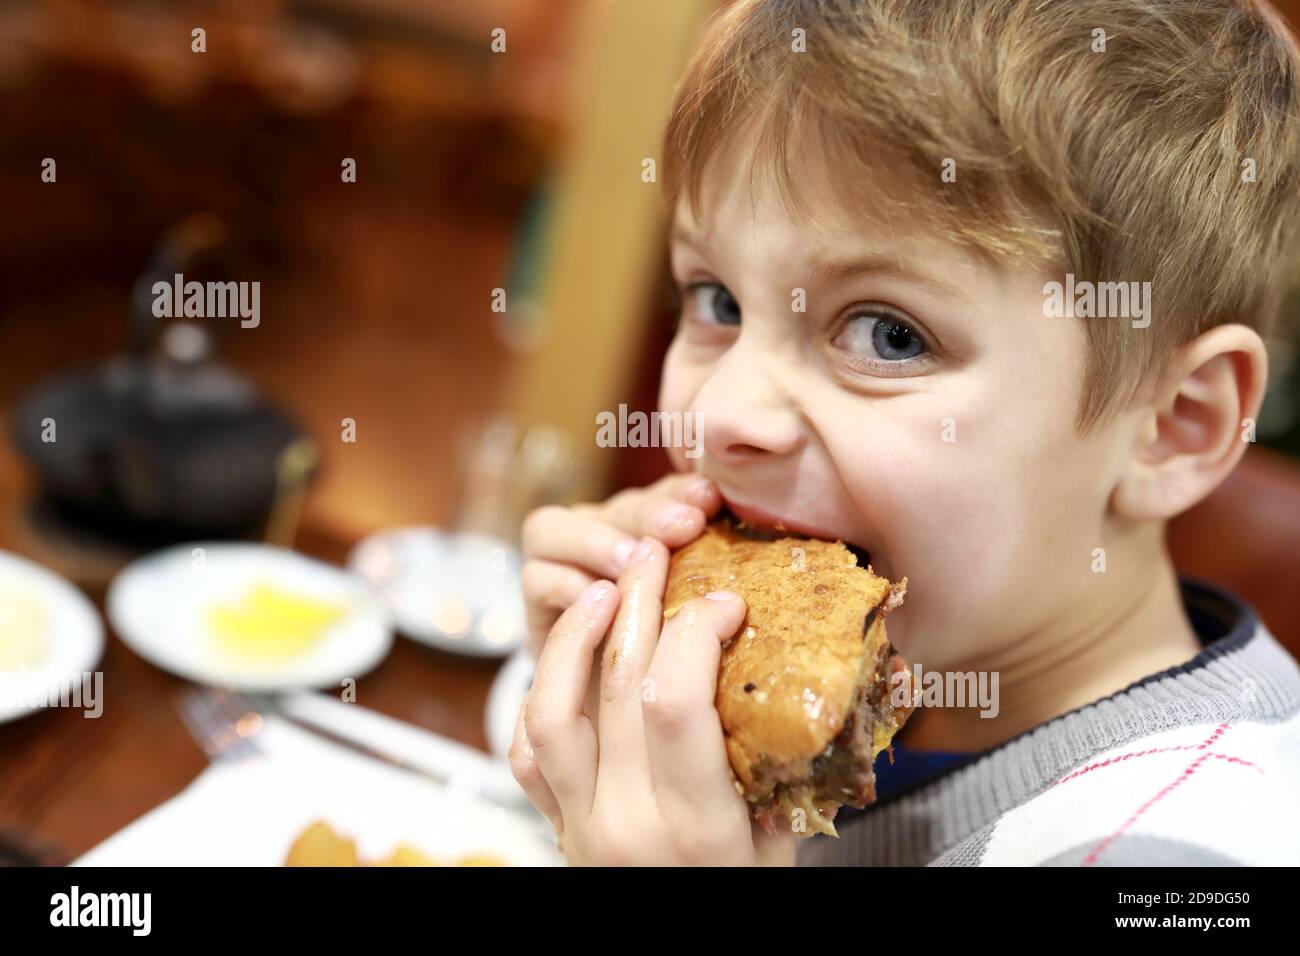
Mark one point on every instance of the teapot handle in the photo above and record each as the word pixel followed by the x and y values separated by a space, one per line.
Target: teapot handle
pixel 180 247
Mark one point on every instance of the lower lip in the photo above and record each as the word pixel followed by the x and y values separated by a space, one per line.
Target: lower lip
pixel 767 521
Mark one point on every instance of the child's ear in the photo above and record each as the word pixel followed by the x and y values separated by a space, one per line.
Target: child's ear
pixel 1195 429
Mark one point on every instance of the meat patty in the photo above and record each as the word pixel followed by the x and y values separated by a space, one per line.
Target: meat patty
pixel 844 773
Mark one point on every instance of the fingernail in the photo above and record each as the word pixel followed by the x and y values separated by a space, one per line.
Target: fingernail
pixel 720 596
pixel 642 551
pixel 594 593
pixel 623 552
pixel 670 516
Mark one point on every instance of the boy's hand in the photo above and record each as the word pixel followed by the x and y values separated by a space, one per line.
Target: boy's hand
pixel 648 783
pixel 566 549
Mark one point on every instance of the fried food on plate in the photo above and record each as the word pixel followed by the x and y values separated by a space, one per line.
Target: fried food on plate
pixel 320 845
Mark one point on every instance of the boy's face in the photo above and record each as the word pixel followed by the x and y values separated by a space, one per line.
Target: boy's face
pixel 921 408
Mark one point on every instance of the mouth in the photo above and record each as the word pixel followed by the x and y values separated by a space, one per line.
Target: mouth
pixel 759 523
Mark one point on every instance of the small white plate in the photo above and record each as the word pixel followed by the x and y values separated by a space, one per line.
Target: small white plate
pixel 70 638
pixel 159 606
pixel 457 592
pixel 507 693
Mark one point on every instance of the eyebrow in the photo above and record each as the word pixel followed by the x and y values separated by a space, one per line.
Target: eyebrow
pixel 834 270
pixel 875 264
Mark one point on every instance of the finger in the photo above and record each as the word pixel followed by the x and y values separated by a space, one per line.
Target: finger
pixel 674 510
pixel 523 765
pixel 626 659
pixel 576 537
pixel 688 757
pixel 774 849
pixel 700 492
pixel 549 588
pixel 562 738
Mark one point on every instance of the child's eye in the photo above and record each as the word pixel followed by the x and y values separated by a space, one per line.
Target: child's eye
pixel 880 335
pixel 713 304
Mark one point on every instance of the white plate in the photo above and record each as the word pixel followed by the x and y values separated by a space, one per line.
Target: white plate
pixel 456 592
pixel 507 693
pixel 249 813
pixel 72 637
pixel 159 604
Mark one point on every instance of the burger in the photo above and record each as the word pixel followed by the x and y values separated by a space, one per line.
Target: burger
pixel 809 687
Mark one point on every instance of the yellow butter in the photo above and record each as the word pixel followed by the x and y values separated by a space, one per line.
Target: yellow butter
pixel 270 622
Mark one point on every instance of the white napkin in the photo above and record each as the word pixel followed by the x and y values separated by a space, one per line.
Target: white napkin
pixel 248 813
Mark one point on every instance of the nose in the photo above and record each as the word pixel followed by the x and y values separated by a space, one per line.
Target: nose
pixel 745 415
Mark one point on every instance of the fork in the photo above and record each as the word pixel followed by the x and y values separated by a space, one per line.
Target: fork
pixel 225 724
pixel 225 732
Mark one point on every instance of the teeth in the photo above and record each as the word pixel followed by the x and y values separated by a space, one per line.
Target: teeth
pixel 864 558
pixel 758 532
pixel 765 534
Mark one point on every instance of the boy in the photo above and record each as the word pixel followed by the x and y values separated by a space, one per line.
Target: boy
pixel 980 287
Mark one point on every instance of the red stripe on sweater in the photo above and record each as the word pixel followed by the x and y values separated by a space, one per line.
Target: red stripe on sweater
pixel 1096 851
pixel 1218 732
pixel 1190 769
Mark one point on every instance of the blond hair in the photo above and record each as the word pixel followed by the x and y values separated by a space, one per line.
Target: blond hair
pixel 1164 149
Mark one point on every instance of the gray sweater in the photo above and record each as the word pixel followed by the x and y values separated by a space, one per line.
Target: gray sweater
pixel 1131 779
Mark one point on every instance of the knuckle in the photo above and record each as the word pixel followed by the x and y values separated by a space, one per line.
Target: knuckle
pixel 533 530
pixel 522 764
pixel 542 728
pixel 615 682
pixel 669 713
pixel 620 677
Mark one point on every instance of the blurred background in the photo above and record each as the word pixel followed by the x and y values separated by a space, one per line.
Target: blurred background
pixel 436 334
pixel 435 199
pixel 376 294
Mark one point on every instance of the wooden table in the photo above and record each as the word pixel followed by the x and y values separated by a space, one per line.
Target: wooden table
pixel 68 782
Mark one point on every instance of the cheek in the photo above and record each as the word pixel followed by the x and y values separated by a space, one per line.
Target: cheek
pixel 982 526
pixel 678 386
pixel 674 395
pixel 681 379
pixel 953 529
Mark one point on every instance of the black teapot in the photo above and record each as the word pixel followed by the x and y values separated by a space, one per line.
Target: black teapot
pixel 162 443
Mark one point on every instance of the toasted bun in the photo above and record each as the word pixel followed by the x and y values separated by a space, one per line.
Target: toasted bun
pixel 813 635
